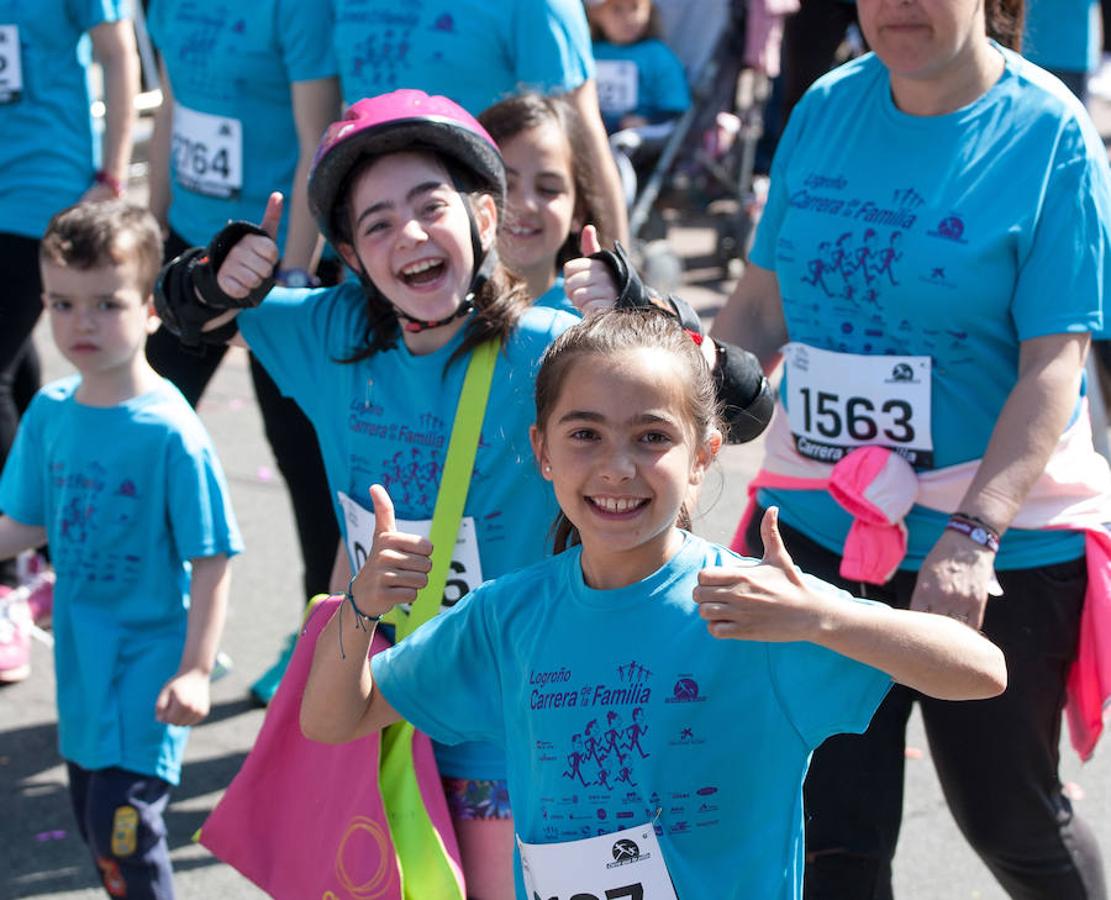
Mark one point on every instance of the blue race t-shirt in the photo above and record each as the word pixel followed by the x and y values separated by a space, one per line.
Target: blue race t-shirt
pixel 387 420
pixel 618 708
pixel 128 494
pixel 1062 34
pixel 952 237
pixel 643 79
pixel 48 152
pixel 476 52
pixel 239 67
pixel 556 298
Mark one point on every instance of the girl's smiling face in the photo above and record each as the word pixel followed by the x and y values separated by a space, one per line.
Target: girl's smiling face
pixel 540 203
pixel 412 238
pixel 622 457
pixel 623 21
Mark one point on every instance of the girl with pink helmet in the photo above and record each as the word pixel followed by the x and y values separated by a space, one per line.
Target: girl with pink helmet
pixel 409 188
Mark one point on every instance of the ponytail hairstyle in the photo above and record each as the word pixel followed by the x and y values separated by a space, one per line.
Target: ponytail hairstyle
pixel 523 112
pixel 1005 20
pixel 499 301
pixel 616 331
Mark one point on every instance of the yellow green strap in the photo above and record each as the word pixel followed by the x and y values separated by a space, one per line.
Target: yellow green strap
pixel 452 494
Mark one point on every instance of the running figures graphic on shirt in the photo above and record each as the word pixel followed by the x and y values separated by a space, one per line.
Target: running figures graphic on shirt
pixel 857 264
pixel 601 754
pixel 858 251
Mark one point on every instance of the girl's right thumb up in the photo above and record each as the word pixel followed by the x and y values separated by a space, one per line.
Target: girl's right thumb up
pixel 588 241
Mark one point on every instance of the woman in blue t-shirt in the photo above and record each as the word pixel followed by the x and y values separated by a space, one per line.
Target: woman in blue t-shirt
pixel 967 195
pixel 245 99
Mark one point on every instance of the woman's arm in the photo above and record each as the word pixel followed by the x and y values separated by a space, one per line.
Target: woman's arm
pixel 956 575
pixel 340 703
pixel 114 49
pixel 158 167
pixel 316 104
pixel 773 602
pixel 585 100
pixel 15 537
pixel 753 316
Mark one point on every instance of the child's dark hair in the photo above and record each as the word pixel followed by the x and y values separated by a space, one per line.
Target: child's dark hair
pixel 508 118
pixel 109 233
pixel 617 331
pixel 654 28
pixel 498 303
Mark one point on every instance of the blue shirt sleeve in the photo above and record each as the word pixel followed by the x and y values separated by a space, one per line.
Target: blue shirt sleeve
pixel 90 13
pixel 823 692
pixel 445 678
pixel 551 45
pixel 200 514
pixel 305 36
pixel 1061 278
pixel 295 331
pixel 22 494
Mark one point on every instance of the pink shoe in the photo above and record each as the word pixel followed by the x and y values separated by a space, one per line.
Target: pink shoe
pixel 15 636
pixel 40 597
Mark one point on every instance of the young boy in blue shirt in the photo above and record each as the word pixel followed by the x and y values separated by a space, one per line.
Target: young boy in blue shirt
pixel 113 468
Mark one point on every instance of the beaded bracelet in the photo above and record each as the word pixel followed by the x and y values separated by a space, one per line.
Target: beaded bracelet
pixel 974 529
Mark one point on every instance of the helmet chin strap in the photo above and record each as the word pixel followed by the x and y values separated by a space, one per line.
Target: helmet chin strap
pixel 486 262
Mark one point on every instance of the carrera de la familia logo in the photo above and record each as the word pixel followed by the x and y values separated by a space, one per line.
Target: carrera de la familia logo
pixel 902 373
pixel 951 228
pixel 685 691
pixel 625 852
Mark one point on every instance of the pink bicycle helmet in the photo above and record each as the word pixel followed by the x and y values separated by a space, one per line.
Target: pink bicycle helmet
pixel 400 120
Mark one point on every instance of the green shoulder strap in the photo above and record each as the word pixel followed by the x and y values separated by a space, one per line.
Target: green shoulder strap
pixel 452 494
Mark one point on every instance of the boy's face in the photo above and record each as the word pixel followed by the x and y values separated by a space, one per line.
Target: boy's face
pixel 99 316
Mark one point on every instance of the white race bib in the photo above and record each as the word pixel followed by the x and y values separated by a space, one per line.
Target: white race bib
pixel 617 85
pixel 465 572
pixel 625 865
pixel 11 69
pixel 839 401
pixel 208 153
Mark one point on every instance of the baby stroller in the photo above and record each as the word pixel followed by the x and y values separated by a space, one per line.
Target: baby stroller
pixel 695 160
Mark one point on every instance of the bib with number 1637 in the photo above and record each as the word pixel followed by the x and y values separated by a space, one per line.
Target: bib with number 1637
pixel 837 402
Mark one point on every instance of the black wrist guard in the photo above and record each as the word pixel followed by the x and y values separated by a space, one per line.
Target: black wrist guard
pixel 746 398
pixel 205 268
pixel 177 305
pixel 632 293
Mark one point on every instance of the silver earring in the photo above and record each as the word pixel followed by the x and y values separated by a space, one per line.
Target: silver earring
pixel 547 470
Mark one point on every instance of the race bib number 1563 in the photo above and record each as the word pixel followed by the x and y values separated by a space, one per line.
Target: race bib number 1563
pixel 837 402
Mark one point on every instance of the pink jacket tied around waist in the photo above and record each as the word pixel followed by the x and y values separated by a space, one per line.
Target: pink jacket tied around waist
pixel 877 487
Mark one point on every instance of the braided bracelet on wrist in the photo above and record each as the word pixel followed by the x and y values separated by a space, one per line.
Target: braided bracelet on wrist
pixel 361 618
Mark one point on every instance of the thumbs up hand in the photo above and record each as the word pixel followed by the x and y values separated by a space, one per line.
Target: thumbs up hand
pixel 398 564
pixel 251 262
pixel 768 601
pixel 587 282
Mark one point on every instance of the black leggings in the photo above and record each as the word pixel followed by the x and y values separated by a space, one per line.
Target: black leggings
pixel 20 306
pixel 996 759
pixel 290 434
